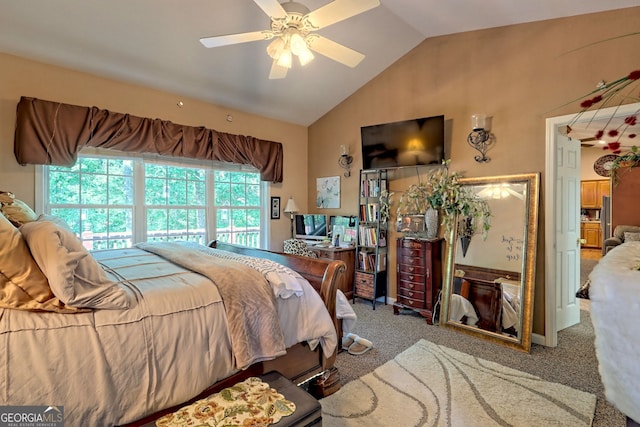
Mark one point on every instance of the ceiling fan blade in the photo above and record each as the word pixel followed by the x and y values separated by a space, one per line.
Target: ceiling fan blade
pixel 272 8
pixel 277 72
pixel 339 10
pixel 228 39
pixel 335 51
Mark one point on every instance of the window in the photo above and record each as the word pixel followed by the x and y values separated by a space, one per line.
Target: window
pixel 115 202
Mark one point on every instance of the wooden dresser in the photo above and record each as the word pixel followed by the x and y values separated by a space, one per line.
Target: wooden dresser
pixel 419 275
pixel 346 254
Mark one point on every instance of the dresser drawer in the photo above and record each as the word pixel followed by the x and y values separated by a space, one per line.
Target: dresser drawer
pixel 364 284
pixel 411 277
pixel 412 269
pixel 412 261
pixel 415 253
pixel 409 302
pixel 411 285
pixel 407 244
pixel 411 294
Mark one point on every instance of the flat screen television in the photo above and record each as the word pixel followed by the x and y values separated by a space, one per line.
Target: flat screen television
pixel 405 143
pixel 311 227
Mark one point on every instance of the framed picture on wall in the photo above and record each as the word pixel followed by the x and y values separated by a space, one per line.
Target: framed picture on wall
pixel 275 207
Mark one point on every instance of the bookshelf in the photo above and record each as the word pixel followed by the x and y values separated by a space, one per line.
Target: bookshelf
pixel 370 281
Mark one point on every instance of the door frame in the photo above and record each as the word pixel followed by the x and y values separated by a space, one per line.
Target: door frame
pixel 553 125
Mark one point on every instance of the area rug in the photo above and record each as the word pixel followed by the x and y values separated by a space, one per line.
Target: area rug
pixel 432 385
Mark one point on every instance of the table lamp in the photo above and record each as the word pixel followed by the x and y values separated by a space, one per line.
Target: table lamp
pixel 291 209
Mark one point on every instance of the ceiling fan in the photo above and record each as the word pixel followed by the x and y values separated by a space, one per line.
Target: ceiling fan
pixel 292 33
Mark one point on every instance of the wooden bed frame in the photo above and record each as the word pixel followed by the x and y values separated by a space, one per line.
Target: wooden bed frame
pixel 485 294
pixel 300 363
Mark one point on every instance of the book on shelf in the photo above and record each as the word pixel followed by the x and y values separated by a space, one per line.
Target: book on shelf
pixel 369 235
pixel 368 261
pixel 371 187
pixel 369 212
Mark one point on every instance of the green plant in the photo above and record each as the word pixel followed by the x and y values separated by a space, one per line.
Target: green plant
pixel 444 191
pixel 385 203
pixel 627 160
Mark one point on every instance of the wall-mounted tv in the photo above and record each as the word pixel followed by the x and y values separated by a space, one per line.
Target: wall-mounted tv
pixel 311 227
pixel 405 143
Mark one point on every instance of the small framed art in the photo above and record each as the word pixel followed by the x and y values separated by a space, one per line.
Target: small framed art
pixel 275 207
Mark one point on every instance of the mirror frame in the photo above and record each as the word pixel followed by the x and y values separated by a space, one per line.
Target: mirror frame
pixel 523 342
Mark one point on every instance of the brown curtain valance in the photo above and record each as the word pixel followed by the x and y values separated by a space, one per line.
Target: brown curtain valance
pixel 52 133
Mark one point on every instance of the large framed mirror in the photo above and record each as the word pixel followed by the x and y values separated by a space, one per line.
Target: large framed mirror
pixel 489 282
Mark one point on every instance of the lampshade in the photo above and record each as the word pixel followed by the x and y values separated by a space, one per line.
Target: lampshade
pixel 291 206
pixel 305 56
pixel 275 48
pixel 284 60
pixel 478 121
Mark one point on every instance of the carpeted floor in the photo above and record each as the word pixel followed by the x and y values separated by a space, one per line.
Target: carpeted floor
pixel 586 265
pixel 573 362
pixel 433 385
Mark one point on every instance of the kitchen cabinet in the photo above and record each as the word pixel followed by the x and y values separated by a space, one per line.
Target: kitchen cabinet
pixel 591 234
pixel 604 189
pixel 591 193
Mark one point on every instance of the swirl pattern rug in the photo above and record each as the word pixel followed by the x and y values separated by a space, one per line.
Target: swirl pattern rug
pixel 432 385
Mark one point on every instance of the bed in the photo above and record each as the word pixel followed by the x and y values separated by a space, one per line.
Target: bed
pixel 170 328
pixel 615 312
pixel 487 298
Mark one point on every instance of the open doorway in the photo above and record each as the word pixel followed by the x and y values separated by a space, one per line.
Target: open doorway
pixel 562 215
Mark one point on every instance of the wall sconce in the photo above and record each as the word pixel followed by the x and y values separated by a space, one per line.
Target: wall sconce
pixel 345 160
pixel 291 209
pixel 480 137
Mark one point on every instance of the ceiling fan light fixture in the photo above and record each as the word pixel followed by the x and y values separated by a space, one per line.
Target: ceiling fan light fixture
pixel 305 57
pixel 275 48
pixel 297 43
pixel 284 60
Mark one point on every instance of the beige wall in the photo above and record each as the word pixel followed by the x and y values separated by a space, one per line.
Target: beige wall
pixel 520 75
pixel 588 156
pixel 20 77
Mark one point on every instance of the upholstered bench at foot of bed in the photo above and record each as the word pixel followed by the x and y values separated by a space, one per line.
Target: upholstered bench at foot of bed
pixel 308 411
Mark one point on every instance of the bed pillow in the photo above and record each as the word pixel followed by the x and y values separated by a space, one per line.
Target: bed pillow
pixel 22 284
pixel 74 275
pixel 16 211
pixel 631 237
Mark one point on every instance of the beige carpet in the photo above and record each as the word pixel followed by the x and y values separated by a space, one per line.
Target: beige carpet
pixel 432 385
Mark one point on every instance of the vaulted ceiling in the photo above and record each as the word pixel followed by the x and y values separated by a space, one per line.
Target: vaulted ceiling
pixel 155 43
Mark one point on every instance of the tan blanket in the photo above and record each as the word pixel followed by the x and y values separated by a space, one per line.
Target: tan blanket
pixel 249 302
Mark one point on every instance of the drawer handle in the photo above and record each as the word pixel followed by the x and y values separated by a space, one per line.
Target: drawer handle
pixel 411 276
pixel 411 268
pixel 411 294
pixel 411 285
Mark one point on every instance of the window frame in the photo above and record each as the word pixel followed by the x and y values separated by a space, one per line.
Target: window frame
pixel 139 228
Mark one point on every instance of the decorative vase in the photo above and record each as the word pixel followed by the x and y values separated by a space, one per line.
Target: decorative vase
pixel 431 223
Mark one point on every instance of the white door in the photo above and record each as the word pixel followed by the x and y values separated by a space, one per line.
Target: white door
pixel 567 223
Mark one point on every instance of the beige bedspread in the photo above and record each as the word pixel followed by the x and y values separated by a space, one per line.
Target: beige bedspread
pixel 111 367
pixel 254 327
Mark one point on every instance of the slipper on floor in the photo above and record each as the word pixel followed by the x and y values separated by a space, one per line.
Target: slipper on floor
pixel 360 346
pixel 348 340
